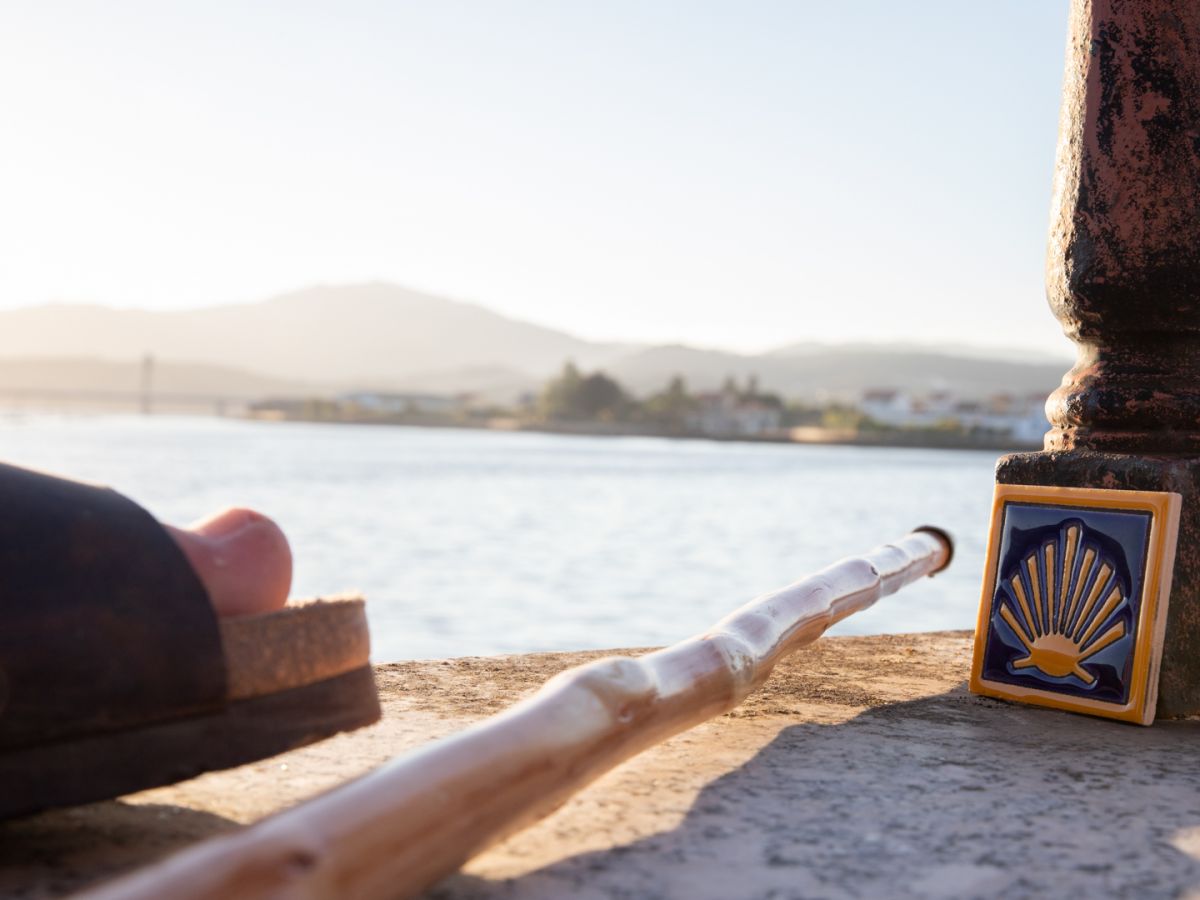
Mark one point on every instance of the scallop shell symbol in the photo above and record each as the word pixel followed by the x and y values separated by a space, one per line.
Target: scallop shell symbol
pixel 1063 601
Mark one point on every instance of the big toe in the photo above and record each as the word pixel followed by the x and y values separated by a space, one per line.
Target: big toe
pixel 241 557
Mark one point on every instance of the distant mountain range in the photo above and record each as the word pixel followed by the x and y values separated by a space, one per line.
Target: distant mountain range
pixel 386 337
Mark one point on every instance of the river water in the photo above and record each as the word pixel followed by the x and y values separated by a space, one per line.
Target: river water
pixel 477 542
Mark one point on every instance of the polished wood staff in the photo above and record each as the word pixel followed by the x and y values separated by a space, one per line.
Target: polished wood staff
pixel 398 829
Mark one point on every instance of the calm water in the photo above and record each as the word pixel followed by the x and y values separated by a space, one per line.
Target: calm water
pixel 472 542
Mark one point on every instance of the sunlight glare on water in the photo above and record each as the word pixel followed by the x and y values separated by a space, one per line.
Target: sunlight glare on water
pixel 475 542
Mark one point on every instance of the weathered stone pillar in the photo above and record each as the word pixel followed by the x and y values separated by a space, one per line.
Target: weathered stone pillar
pixel 1123 277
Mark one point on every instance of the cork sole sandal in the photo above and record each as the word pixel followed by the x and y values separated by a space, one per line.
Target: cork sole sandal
pixel 117 676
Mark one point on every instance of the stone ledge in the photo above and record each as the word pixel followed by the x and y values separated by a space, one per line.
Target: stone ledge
pixel 863 768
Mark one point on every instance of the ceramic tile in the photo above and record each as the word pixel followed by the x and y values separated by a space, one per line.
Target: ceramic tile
pixel 1075 597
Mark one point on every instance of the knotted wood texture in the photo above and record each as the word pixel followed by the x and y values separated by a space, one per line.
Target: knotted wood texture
pixel 399 829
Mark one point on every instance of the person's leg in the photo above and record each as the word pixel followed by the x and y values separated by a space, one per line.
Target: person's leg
pixel 241 557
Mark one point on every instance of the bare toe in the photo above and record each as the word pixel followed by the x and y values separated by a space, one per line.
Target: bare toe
pixel 241 557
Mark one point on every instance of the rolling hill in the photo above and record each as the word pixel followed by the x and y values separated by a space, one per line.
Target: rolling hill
pixel 381 336
pixel 356 333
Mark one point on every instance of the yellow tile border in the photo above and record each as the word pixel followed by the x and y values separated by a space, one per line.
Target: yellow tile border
pixel 1152 614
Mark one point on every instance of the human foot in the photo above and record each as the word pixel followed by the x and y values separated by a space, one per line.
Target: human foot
pixel 241 557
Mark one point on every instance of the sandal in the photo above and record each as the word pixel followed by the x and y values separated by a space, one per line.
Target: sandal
pixel 116 674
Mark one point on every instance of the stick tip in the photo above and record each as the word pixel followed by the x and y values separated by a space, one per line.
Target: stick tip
pixel 946 538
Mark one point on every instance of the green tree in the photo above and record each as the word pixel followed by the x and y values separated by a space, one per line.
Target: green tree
pixel 800 413
pixel 754 394
pixel 573 396
pixel 671 407
pixel 559 394
pixel 600 397
pixel 840 416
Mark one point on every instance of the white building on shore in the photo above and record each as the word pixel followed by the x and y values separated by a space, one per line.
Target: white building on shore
pixel 1021 417
pixel 728 414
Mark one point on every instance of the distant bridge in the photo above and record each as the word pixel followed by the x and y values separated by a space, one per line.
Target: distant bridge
pixel 219 404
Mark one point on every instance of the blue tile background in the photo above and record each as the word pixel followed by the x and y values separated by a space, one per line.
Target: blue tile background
pixel 1123 538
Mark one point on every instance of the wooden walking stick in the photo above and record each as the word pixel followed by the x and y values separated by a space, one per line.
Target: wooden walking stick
pixel 398 829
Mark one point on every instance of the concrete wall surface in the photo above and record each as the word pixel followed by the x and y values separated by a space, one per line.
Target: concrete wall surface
pixel 862 769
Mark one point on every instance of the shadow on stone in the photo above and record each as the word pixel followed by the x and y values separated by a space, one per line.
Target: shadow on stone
pixel 949 796
pixel 62 851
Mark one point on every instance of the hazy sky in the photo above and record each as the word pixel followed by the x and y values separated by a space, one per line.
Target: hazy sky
pixel 739 174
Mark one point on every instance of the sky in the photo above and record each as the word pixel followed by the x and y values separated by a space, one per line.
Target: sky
pixel 739 175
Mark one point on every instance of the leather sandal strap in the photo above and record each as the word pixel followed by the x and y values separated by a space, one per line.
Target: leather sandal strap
pixel 103 623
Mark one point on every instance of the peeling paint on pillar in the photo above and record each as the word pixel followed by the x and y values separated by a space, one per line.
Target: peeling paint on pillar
pixel 1123 265
pixel 1123 278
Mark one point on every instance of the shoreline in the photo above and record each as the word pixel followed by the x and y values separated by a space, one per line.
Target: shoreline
pixel 801 435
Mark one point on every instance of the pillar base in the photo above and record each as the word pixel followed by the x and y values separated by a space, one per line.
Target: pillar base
pixel 1179 684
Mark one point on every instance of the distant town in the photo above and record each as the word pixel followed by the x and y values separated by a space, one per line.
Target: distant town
pixel 382 353
pixel 595 403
